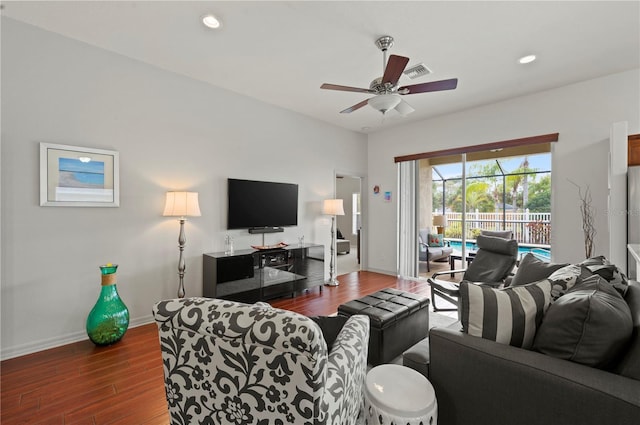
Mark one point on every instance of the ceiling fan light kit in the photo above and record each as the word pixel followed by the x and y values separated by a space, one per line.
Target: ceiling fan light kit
pixel 385 88
pixel 404 108
pixel 384 102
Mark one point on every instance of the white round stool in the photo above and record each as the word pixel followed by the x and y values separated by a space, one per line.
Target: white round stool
pixel 398 395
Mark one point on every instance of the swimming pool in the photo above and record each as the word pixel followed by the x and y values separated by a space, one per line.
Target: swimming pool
pixel 542 253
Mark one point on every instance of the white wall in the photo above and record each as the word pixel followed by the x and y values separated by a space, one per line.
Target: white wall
pixel 173 133
pixel 581 113
pixel 345 188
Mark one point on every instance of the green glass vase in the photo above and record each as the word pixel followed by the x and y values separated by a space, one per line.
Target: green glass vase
pixel 109 319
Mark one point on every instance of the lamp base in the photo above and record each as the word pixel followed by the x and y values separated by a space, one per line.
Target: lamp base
pixel 332 282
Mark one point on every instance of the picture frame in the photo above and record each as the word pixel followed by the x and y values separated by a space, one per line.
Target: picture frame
pixel 72 176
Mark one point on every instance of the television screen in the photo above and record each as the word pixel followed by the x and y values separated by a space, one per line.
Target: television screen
pixel 261 204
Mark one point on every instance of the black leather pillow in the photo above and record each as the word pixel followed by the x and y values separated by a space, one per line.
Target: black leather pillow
pixel 331 327
pixel 591 324
pixel 531 269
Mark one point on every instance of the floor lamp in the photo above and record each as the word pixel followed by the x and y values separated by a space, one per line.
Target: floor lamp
pixel 181 204
pixel 333 207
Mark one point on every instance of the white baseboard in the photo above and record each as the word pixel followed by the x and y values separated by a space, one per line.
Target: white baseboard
pixel 58 341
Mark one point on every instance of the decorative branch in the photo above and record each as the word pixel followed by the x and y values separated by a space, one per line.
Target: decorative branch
pixel 588 218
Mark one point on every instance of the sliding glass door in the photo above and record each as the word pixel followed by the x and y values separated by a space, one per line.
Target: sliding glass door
pixel 506 189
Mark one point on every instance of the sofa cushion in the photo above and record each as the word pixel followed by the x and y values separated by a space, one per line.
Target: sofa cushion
pixel 435 240
pixel 531 269
pixel 608 271
pixel 508 316
pixel 591 324
pixel 417 357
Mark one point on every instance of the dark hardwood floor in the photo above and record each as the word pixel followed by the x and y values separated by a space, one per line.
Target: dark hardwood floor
pixel 80 383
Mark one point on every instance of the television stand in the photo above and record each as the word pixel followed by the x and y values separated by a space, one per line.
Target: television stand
pixel 257 275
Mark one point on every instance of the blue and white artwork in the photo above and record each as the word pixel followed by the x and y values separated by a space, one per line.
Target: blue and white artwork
pixel 71 176
pixel 76 173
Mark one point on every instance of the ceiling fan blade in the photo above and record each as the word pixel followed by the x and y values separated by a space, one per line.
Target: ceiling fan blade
pixel 355 107
pixel 393 71
pixel 404 108
pixel 345 88
pixel 427 87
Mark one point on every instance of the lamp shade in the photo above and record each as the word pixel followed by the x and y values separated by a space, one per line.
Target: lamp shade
pixel 333 207
pixel 440 220
pixel 182 204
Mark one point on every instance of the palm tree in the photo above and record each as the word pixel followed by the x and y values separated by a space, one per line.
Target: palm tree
pixel 478 197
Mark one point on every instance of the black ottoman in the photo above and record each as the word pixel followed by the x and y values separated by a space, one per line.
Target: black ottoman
pixel 398 320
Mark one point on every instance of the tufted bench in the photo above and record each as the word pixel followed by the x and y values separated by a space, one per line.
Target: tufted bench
pixel 397 319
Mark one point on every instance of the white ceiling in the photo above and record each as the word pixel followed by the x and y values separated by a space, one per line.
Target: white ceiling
pixel 281 52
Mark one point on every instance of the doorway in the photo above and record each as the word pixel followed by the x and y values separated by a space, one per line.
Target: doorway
pixel 349 225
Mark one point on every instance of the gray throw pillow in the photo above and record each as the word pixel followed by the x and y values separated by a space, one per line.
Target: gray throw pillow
pixel 565 278
pixel 608 271
pixel 591 325
pixel 531 269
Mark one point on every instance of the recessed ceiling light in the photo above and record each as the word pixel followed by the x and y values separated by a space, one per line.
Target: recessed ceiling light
pixel 527 59
pixel 211 21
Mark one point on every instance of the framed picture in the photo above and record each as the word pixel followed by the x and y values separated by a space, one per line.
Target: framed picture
pixel 72 176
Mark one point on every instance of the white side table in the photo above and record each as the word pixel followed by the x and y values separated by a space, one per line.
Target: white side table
pixel 399 395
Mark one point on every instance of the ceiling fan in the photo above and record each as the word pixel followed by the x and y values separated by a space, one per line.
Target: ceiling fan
pixel 386 90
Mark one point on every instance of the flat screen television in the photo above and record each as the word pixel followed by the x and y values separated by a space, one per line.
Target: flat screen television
pixel 259 204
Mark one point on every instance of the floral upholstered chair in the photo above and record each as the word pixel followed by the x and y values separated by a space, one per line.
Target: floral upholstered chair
pixel 230 363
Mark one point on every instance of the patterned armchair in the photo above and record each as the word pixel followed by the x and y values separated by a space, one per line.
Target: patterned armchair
pixel 230 363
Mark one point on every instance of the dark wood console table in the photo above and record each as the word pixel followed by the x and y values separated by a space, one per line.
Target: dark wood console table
pixel 249 275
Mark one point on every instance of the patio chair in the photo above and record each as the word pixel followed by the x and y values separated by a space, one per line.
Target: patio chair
pixel 493 263
pixel 431 253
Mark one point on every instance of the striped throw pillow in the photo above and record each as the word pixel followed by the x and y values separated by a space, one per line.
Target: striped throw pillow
pixel 508 316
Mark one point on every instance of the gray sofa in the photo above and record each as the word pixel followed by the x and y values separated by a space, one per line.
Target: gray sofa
pixel 478 381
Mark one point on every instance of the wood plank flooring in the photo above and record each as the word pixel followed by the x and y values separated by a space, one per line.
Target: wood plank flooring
pixel 123 384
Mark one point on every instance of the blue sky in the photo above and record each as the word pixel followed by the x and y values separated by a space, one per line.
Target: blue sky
pixel 540 162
